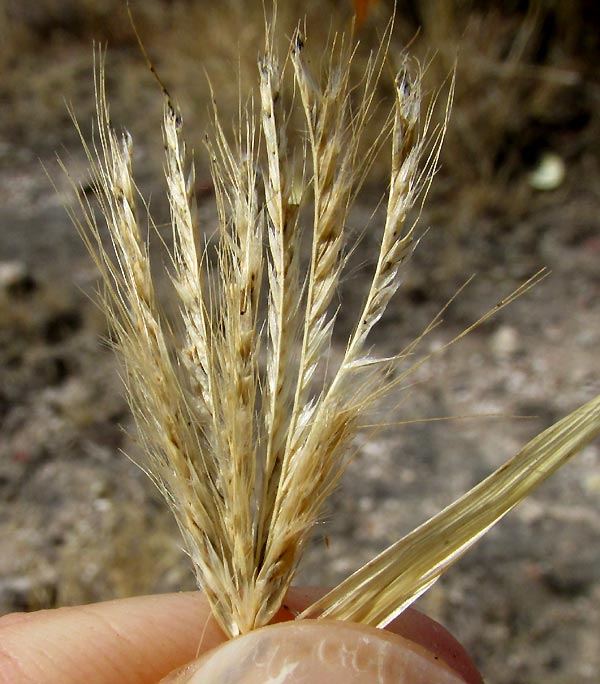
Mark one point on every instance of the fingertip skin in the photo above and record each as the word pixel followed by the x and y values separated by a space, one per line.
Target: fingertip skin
pixel 423 630
pixel 411 624
pixel 318 652
pixel 129 641
pixel 140 640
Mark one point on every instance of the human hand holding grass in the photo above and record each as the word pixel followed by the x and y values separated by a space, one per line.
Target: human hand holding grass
pixel 140 640
pixel 241 441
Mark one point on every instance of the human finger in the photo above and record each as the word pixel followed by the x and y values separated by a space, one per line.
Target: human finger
pixel 318 652
pixel 137 640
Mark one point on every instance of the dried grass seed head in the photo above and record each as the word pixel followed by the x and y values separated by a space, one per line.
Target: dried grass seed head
pixel 246 453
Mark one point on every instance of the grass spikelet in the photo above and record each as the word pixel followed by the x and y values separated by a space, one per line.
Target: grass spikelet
pixel 188 275
pixel 284 285
pixel 239 438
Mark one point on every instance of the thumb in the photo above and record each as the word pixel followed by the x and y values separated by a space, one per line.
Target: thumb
pixel 317 652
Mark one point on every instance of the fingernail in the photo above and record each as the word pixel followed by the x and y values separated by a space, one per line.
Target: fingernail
pixel 319 652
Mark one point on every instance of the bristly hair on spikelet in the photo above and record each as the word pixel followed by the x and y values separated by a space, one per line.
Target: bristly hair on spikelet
pixel 246 451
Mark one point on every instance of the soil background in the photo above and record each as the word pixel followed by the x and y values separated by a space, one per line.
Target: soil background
pixel 518 190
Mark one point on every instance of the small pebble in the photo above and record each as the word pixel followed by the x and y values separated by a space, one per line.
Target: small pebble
pixel 504 342
pixel 549 174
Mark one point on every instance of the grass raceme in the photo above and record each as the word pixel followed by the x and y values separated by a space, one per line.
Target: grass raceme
pixel 240 438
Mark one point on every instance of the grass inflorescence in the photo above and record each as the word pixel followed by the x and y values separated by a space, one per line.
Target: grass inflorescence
pixel 240 438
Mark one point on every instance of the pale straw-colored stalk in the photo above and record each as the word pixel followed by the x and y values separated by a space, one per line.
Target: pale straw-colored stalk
pixel 384 587
pixel 240 439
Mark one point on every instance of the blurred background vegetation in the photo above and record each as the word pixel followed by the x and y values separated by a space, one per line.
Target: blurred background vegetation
pixel 527 83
